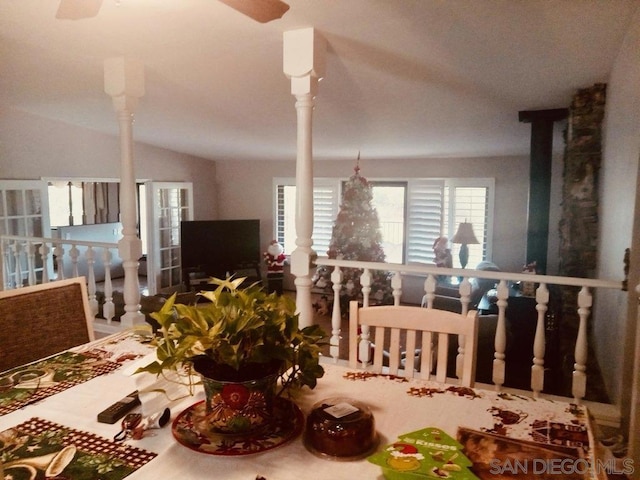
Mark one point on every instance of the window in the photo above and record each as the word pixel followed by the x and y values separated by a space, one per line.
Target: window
pixel 325 209
pixel 83 202
pixel 389 200
pixel 413 214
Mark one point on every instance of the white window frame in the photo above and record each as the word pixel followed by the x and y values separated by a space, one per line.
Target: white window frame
pixel 489 184
pixel 419 235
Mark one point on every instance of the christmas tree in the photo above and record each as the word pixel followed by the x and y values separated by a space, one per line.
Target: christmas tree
pixel 356 236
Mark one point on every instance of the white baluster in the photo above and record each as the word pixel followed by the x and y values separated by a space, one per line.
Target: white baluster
pixel 91 280
pixel 44 255
pixel 6 262
pixel 58 251
pixel 429 290
pixel 365 281
pixel 74 253
pixel 31 263
pixel 396 286
pixel 108 307
pixel 465 298
pixel 364 346
pixel 465 294
pixel 336 315
pixel 585 300
pixel 537 369
pixel 16 248
pixel 428 361
pixel 500 343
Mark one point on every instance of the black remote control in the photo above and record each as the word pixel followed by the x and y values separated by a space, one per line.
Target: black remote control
pixel 119 409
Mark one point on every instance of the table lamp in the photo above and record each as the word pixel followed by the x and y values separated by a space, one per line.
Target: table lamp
pixel 464 236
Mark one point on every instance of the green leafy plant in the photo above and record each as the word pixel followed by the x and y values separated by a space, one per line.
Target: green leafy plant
pixel 238 334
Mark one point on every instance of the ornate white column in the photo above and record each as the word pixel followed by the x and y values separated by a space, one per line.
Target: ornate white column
pixel 303 55
pixel 124 82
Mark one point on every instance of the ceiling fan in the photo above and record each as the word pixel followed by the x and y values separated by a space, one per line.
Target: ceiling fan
pixel 262 11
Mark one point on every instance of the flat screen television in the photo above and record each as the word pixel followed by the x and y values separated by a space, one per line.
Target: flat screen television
pixel 216 247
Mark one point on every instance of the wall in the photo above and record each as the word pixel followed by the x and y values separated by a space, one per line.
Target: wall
pixel 254 199
pixel 32 147
pixel 618 189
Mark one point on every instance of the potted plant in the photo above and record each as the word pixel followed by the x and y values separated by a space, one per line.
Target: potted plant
pixel 246 346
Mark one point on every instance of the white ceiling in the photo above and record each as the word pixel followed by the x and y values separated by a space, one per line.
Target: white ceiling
pixel 404 78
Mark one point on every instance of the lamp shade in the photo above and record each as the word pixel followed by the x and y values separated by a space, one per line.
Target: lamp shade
pixel 465 234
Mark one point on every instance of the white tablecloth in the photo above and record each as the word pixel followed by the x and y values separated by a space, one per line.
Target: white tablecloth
pixel 398 406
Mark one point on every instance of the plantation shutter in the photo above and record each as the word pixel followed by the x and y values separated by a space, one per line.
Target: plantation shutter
pixel 280 215
pixel 424 218
pixel 325 210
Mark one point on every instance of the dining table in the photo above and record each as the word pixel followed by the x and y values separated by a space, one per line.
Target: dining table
pixel 61 397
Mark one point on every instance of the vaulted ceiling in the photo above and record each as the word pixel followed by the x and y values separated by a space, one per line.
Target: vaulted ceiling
pixel 404 78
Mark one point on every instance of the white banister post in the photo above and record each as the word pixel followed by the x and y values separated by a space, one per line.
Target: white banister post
pixel 16 248
pixel 303 62
pixel 91 280
pixel 537 369
pixel 74 253
pixel 396 288
pixel 4 264
pixel 31 263
pixel 579 387
pixel 500 343
pixel 336 314
pixel 108 307
pixel 465 295
pixel 44 255
pixel 124 83
pixel 58 251
pixel 365 282
pixel 465 298
pixel 430 291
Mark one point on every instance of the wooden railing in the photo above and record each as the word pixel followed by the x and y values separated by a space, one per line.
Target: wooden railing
pixel 32 260
pixel 503 280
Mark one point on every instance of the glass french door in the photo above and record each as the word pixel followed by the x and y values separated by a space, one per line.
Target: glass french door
pixel 168 203
pixel 24 211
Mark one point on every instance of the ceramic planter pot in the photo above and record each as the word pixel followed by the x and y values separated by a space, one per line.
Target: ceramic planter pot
pixel 237 406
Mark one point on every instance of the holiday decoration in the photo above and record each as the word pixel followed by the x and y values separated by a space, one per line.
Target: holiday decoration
pixel 442 252
pixel 274 257
pixel 356 236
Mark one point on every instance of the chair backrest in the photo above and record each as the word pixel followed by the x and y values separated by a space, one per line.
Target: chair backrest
pixel 41 320
pixel 403 323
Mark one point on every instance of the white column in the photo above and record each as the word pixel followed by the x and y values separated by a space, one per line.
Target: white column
pixel 124 82
pixel 303 63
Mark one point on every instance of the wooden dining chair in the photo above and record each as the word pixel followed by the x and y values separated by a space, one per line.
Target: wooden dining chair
pixel 41 320
pixel 406 326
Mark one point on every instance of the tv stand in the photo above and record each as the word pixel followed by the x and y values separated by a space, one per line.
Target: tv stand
pixel 197 279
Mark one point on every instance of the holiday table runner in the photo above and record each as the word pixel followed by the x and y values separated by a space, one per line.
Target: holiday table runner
pixel 33 382
pixel 39 449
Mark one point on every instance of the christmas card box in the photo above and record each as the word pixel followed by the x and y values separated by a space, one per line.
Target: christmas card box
pixel 422 455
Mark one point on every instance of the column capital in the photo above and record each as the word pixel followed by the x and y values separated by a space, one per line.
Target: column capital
pixel 124 82
pixel 304 52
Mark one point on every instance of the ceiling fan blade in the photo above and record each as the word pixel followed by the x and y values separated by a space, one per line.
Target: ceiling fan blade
pixel 78 9
pixel 262 11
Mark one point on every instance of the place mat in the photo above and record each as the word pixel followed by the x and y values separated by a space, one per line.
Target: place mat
pixel 30 383
pixel 287 424
pixel 43 449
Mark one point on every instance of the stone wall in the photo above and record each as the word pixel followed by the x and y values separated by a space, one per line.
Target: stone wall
pixel 579 220
pixel 583 155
